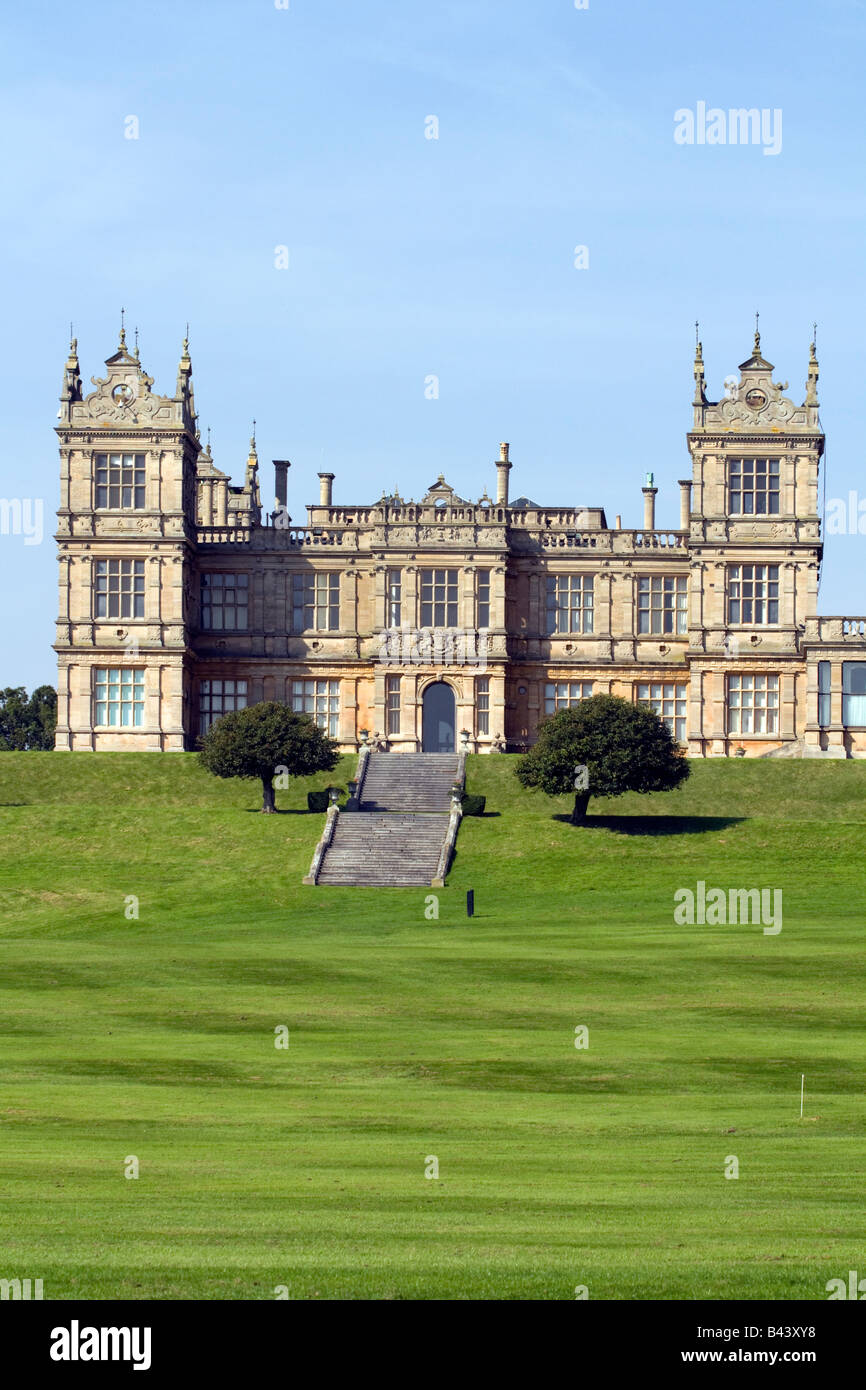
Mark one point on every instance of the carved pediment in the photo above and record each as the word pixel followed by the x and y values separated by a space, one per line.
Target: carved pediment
pixel 441 494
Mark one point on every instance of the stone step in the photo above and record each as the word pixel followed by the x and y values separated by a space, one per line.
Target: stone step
pixel 395 839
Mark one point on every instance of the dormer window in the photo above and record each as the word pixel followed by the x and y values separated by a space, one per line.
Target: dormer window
pixel 753 487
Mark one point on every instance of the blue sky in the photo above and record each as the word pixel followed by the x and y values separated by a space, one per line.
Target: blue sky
pixel 408 257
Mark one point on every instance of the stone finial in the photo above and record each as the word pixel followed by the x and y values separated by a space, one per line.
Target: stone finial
pixel 700 382
pixel 72 375
pixel 812 370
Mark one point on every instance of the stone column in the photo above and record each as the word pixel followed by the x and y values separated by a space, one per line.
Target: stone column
pixel 466 610
pixel 537 595
pixel 82 600
pixel 602 603
pixel 497 704
pixel 685 502
pixel 349 711
pixel 411 610
pixel 718 721
pixel 380 597
pixel 497 597
pixel 222 502
pixel 349 602
pixel 787 705
pixel 464 712
pixel 269 610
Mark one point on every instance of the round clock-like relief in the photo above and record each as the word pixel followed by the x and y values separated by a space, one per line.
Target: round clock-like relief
pixel 756 400
pixel 123 394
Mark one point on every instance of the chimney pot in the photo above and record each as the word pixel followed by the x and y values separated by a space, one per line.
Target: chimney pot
pixel 281 469
pixel 502 470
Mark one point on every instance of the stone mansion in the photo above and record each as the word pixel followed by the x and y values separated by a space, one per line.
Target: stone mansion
pixel 443 622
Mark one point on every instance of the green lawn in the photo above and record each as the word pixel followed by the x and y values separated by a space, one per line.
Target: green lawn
pixel 411 1037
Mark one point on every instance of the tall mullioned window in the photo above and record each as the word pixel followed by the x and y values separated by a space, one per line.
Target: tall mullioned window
pixel 224 602
pixel 119 588
pixel 392 704
pixel 753 487
pixel 823 693
pixel 753 594
pixel 217 698
pixel 482 704
pixel 853 693
pixel 564 694
pixel 482 598
pixel 669 702
pixel 438 598
pixel 662 604
pixel 394 598
pixel 753 704
pixel 120 480
pixel 321 699
pixel 118 697
pixel 569 603
pixel 316 602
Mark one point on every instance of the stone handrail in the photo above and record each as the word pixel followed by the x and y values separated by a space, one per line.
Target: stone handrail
pixel 324 842
pixel 223 535
pixel 835 629
pixel 354 802
pixel 454 820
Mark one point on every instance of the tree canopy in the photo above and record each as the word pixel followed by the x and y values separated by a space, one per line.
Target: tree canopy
pixel 26 723
pixel 603 746
pixel 257 741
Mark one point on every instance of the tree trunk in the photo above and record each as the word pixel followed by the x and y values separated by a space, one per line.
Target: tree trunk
pixel 581 801
pixel 269 804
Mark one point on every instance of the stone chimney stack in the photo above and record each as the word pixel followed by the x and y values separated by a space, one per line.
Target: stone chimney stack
pixel 281 469
pixel 685 503
pixel 502 470
pixel 649 504
pixel 326 488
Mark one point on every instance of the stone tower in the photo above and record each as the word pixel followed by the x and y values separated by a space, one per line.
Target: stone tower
pixel 754 533
pixel 126 535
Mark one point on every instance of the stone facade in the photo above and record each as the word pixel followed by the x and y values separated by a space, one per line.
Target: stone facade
pixel 443 622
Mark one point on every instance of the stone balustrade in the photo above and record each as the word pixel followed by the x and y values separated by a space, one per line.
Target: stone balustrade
pixel 835 629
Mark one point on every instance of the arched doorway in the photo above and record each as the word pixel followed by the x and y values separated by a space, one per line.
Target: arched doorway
pixel 438 719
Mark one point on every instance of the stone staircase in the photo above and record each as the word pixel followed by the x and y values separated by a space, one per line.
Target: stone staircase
pixel 396 836
pixel 419 782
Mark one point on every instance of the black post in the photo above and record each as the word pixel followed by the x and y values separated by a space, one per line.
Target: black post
pixel 470 902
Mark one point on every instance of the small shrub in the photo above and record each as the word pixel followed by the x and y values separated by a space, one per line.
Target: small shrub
pixel 473 805
pixel 320 801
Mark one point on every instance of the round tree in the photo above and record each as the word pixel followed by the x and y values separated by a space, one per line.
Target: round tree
pixel 257 741
pixel 602 747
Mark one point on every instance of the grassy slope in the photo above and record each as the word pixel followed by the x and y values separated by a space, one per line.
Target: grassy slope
pixel 412 1037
